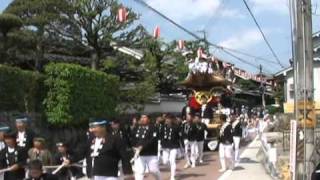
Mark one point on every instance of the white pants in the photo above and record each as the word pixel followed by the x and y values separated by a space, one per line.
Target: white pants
pixel 104 178
pixel 206 121
pixel 169 155
pixel 225 153
pixel 236 143
pixel 200 150
pixel 140 166
pixel 159 150
pixel 192 156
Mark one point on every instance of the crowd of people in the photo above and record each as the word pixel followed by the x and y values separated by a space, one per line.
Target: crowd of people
pixel 114 151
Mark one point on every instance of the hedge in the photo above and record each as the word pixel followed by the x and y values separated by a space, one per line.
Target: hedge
pixel 76 93
pixel 19 89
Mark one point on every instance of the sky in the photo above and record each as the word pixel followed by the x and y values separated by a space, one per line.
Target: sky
pixel 227 23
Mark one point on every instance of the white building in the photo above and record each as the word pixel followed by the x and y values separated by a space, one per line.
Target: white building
pixel 286 76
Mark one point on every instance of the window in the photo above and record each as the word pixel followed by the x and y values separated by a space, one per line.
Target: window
pixel 291 94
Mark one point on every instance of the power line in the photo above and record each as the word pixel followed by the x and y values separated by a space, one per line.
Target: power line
pixel 226 50
pixel 262 33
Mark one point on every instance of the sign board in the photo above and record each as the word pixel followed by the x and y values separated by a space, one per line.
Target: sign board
pixel 293 146
pixel 288 107
pixel 310 117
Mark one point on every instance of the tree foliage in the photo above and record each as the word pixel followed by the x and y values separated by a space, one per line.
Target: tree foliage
pixel 19 89
pixel 93 25
pixel 9 22
pixel 77 93
pixel 247 85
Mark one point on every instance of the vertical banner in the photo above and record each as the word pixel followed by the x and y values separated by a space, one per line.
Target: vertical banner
pixel 181 44
pixel 293 147
pixel 122 14
pixel 156 32
pixel 199 52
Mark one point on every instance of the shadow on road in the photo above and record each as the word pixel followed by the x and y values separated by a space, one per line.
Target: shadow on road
pixel 189 175
pixel 247 160
pixel 238 168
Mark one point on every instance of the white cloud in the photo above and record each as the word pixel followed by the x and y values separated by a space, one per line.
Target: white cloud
pixel 243 40
pixel 231 13
pixel 279 6
pixel 186 10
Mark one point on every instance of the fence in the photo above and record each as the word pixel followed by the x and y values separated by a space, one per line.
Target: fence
pixel 286 139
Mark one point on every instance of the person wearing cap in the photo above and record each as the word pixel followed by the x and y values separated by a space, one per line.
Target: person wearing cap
pixel 170 137
pixel 117 130
pixel 105 152
pixel 12 159
pixel 225 146
pixel 186 110
pixel 200 136
pixel 64 154
pixel 40 152
pixel 36 172
pixel 206 110
pixel 146 147
pixel 237 134
pixel 3 130
pixel 160 120
pixel 24 135
pixel 132 128
pixel 188 132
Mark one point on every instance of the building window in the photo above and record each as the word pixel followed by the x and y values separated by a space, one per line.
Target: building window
pixel 291 91
pixel 291 94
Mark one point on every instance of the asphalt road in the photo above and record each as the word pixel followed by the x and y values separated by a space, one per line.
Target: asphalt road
pixel 209 170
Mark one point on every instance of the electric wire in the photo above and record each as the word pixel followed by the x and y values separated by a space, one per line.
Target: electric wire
pixel 262 33
pixel 226 50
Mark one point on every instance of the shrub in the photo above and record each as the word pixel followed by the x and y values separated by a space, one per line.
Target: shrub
pixel 76 93
pixel 19 89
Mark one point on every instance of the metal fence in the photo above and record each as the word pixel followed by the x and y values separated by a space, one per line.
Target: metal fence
pixel 286 139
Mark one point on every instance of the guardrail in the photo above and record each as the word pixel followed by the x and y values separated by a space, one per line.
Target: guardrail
pixel 270 157
pixel 286 138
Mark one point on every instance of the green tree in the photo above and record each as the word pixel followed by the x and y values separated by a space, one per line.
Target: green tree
pixel 168 64
pixel 138 82
pixel 247 85
pixel 8 23
pixel 37 15
pixel 93 25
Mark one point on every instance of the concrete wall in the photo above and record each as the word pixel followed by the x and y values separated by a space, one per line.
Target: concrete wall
pixel 164 106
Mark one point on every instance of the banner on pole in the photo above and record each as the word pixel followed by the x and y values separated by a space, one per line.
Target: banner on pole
pixel 307 107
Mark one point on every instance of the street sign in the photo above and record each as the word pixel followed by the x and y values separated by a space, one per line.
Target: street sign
pixel 293 143
pixel 310 120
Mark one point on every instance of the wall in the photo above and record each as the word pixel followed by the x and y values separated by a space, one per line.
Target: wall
pixel 289 81
pixel 316 85
pixel 165 106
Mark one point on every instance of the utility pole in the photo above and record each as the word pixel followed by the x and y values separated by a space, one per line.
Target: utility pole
pixel 301 22
pixel 204 39
pixel 262 89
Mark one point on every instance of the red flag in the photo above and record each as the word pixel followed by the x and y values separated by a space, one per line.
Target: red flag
pixel 156 32
pixel 225 65
pixel 199 52
pixel 122 14
pixel 181 44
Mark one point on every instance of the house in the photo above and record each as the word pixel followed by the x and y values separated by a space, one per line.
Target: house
pixel 286 78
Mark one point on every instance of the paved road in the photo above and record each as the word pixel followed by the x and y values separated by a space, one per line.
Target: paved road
pixel 206 171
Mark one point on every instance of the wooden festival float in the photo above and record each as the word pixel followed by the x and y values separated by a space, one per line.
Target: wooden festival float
pixel 212 79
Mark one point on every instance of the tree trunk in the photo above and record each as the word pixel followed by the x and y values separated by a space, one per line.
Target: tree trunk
pixel 94 61
pixel 39 50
